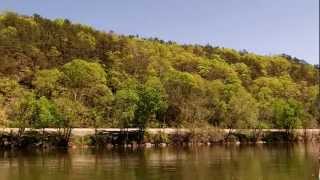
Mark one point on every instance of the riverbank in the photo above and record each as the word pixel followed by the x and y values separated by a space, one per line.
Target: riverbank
pixel 153 137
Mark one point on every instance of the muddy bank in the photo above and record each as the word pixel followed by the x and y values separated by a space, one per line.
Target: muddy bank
pixel 84 137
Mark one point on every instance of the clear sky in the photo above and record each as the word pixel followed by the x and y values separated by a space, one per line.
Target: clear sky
pixel 260 26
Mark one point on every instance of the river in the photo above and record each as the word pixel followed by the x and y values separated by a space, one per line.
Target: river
pixel 227 162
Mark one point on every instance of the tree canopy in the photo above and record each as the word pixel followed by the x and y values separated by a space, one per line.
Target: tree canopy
pixel 54 73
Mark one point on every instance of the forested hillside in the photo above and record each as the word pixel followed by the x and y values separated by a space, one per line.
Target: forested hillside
pixel 57 74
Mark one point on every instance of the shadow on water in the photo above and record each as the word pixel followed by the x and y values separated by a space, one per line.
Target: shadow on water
pixel 224 162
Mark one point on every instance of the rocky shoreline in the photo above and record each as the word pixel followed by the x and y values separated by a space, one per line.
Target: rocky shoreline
pixel 108 138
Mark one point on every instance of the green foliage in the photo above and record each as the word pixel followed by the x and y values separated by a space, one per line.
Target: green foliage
pixel 126 103
pixel 28 111
pixel 242 111
pixel 80 73
pixel 244 73
pixel 23 111
pixel 71 113
pixel 55 73
pixel 46 82
pixel 86 39
pixel 9 89
pixel 151 101
pixel 287 114
pixel 216 69
pixel 46 114
pixel 8 33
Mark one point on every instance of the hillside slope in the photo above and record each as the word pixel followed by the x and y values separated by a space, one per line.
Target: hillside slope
pixel 57 74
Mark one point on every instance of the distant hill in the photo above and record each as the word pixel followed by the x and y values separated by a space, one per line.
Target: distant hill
pixel 56 73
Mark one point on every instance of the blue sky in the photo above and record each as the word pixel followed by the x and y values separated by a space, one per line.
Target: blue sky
pixel 260 26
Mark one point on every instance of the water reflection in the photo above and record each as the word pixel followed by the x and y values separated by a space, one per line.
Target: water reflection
pixel 219 162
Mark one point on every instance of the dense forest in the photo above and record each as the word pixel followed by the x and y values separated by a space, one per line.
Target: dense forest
pixel 54 73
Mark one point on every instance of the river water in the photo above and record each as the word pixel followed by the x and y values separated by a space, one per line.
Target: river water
pixel 262 162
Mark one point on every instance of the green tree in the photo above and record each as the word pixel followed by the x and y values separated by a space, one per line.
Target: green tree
pixel 80 76
pixel 46 114
pixel 46 82
pixel 287 114
pixel 242 111
pixel 70 113
pixel 86 39
pixel 126 103
pixel 87 83
pixel 23 112
pixel 151 101
pixel 244 73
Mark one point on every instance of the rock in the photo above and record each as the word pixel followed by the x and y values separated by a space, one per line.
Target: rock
pixel 148 145
pixel 109 145
pixel 232 139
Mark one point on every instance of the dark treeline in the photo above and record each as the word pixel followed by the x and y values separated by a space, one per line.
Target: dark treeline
pixel 57 74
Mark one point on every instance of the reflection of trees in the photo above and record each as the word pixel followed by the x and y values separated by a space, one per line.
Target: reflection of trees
pixel 35 164
pixel 221 162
